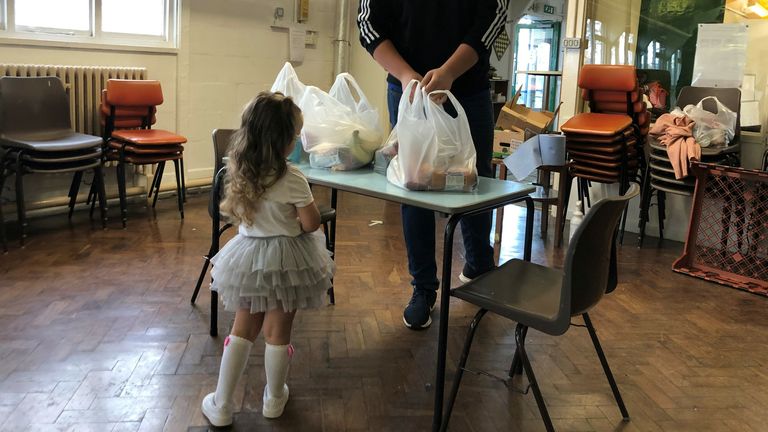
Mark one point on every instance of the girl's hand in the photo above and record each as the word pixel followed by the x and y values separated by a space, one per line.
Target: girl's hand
pixel 438 79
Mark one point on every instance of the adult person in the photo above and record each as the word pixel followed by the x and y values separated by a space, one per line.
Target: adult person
pixel 446 45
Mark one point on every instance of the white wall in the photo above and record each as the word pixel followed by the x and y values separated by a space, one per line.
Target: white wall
pixel 227 54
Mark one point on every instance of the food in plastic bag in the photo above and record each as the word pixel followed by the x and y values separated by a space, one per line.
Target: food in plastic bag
pixel 339 132
pixel 712 129
pixel 384 155
pixel 435 150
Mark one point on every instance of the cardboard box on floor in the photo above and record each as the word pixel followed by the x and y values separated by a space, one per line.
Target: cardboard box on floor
pixel 519 117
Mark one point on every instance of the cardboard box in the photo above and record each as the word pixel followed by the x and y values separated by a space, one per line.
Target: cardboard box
pixel 505 142
pixel 520 117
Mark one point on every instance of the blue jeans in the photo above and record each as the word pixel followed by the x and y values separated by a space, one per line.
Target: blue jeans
pixel 419 224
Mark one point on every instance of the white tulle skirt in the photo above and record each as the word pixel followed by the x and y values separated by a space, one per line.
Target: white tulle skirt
pixel 264 273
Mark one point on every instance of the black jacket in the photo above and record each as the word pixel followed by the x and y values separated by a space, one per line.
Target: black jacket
pixel 427 32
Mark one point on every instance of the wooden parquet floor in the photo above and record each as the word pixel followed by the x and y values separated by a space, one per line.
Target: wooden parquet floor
pixel 97 334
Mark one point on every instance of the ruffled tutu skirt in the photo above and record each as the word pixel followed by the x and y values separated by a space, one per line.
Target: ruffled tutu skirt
pixel 264 273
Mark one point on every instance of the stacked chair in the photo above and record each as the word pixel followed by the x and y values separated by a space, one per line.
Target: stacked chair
pixel 128 111
pixel 221 141
pixel 36 136
pixel 660 176
pixel 606 144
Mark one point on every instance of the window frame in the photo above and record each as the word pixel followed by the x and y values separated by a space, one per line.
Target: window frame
pixel 95 35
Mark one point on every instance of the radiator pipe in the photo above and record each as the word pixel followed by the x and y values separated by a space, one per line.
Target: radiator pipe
pixel 341 41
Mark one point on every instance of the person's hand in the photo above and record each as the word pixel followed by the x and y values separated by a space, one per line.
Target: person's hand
pixel 438 79
pixel 407 78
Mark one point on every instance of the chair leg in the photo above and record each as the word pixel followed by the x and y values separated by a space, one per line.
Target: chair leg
pixel 91 200
pixel 661 198
pixel 516 368
pixel 645 206
pixel 606 368
pixel 121 190
pixel 329 247
pixel 460 369
pixel 214 314
pixel 520 333
pixel 153 186
pixel 98 182
pixel 74 188
pixel 206 262
pixel 21 210
pixel 563 194
pixel 183 181
pixel 2 216
pixel 332 241
pixel 179 187
pixel 156 181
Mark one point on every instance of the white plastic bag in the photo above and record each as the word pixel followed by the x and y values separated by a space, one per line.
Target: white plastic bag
pixel 339 132
pixel 712 129
pixel 435 150
pixel 287 83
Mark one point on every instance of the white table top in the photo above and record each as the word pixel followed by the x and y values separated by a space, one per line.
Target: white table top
pixel 366 182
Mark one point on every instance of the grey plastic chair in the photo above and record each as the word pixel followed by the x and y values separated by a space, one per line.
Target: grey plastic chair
pixel 36 136
pixel 546 299
pixel 659 177
pixel 221 141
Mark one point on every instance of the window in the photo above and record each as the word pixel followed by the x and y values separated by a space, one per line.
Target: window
pixel 53 16
pixel 143 17
pixel 116 22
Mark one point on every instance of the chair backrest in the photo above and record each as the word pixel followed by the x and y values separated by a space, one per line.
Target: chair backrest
pixel 730 97
pixel 221 140
pixel 38 105
pixel 134 93
pixel 618 78
pixel 591 255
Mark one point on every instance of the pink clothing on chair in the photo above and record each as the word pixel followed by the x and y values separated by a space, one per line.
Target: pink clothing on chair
pixel 676 133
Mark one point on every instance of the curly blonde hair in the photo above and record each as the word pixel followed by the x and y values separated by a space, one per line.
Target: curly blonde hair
pixel 257 153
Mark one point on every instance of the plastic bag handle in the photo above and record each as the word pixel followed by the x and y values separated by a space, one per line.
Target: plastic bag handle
pixel 417 104
pixel 353 82
pixel 718 104
pixel 456 105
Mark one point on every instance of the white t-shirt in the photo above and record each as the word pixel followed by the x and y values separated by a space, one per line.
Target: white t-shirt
pixel 277 215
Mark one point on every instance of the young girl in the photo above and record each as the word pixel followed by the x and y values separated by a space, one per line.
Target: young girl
pixel 277 263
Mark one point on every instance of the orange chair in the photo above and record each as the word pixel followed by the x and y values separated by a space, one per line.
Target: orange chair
pixel 606 145
pixel 128 111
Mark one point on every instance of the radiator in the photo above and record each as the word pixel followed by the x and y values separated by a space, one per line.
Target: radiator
pixel 83 84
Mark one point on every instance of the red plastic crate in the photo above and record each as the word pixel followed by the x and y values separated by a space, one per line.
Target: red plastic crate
pixel 728 232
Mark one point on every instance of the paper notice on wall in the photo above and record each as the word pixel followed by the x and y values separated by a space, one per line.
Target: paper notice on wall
pixel 748 88
pixel 750 113
pixel 721 54
pixel 297 36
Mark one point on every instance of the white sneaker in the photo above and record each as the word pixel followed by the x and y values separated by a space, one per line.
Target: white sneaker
pixel 218 416
pixel 463 278
pixel 273 407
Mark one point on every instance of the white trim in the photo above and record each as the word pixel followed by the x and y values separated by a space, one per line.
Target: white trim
pixel 94 38
pixel 89 46
pixel 366 29
pixel 498 22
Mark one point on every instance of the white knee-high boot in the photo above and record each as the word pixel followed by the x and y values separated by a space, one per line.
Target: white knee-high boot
pixel 218 406
pixel 276 363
